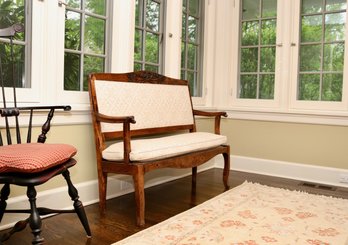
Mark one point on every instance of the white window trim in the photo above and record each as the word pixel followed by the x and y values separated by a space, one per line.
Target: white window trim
pixel 285 107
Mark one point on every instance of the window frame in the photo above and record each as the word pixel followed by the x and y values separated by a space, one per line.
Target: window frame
pixel 285 103
pixel 199 44
pixel 144 30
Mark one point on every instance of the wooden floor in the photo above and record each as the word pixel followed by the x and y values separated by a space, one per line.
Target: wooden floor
pixel 162 202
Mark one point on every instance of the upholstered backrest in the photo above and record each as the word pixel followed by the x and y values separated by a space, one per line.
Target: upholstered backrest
pixel 153 104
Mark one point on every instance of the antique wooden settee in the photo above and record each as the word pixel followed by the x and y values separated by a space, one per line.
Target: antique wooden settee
pixel 150 122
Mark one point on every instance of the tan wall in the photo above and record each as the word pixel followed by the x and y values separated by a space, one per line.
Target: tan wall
pixel 299 143
pixel 320 145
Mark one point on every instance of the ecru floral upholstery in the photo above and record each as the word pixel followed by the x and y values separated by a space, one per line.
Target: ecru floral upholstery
pixel 152 105
pixel 33 157
pixel 163 147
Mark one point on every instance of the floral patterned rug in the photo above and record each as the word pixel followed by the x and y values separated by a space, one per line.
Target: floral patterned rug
pixel 252 214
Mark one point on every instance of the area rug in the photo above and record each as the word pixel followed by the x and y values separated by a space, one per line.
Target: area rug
pixel 252 214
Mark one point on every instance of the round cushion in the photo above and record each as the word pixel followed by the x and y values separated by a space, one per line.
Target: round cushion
pixel 33 157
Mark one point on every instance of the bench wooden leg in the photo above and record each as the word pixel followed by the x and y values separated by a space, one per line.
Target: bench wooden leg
pixel 226 172
pixel 138 179
pixel 102 182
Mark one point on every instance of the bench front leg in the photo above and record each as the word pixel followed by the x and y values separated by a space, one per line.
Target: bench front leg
pixel 138 180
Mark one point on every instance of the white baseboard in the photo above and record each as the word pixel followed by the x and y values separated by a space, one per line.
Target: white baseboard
pixel 88 191
pixel 120 184
pixel 303 172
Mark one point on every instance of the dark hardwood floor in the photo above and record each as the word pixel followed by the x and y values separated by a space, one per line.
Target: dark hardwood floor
pixel 162 202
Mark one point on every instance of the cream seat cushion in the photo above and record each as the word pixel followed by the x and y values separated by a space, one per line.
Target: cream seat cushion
pixel 164 147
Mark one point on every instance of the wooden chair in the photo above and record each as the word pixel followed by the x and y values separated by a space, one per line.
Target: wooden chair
pixel 145 121
pixel 29 164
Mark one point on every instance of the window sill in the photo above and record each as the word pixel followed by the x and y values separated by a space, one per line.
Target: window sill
pixel 80 114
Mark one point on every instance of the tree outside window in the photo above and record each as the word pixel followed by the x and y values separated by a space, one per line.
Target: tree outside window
pixel 257 49
pixel 85 42
pixel 148 35
pixel 321 54
pixel 13 12
pixel 191 45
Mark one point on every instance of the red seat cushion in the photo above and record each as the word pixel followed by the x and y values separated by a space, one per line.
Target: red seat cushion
pixel 33 157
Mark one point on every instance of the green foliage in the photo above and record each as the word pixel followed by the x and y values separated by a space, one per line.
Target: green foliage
pixel 76 64
pixel 12 12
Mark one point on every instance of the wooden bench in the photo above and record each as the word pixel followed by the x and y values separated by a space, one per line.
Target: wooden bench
pixel 150 122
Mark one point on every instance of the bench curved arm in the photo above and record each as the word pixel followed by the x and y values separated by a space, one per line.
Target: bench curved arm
pixel 216 114
pixel 126 120
pixel 110 119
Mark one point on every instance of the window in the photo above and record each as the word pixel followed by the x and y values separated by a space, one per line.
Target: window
pixel 191 46
pixel 85 42
pixel 321 55
pixel 291 56
pixel 257 49
pixel 13 12
pixel 148 35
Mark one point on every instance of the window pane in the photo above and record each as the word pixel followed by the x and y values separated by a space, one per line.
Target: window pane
pixel 192 29
pixel 311 28
pixel 266 90
pixel 96 6
pixel 310 58
pixel 250 9
pixel 137 67
pixel 94 35
pixel 312 6
pixel 268 32
pixel 249 60
pixel 309 87
pixel 138 18
pixel 332 5
pixel 194 7
pixel 269 8
pixel 192 57
pixel 151 68
pixel 332 87
pixel 74 3
pixel 19 65
pixel 267 62
pixel 12 12
pixel 248 86
pixel 151 48
pixel 250 33
pixel 191 78
pixel 71 71
pixel 183 55
pixel 91 65
pixel 183 30
pixel 138 45
pixel 335 27
pixel 72 30
pixel 333 57
pixel 152 15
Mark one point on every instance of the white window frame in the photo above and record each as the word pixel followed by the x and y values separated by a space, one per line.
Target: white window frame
pixel 285 106
pixel 323 106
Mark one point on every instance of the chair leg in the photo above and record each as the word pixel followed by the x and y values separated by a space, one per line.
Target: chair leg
pixel 226 172
pixel 5 192
pixel 34 218
pixel 79 209
pixel 138 179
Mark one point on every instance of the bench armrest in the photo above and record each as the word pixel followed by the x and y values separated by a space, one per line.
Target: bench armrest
pixel 126 120
pixel 110 119
pixel 216 114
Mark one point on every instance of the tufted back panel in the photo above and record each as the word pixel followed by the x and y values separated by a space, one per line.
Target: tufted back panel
pixel 152 105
